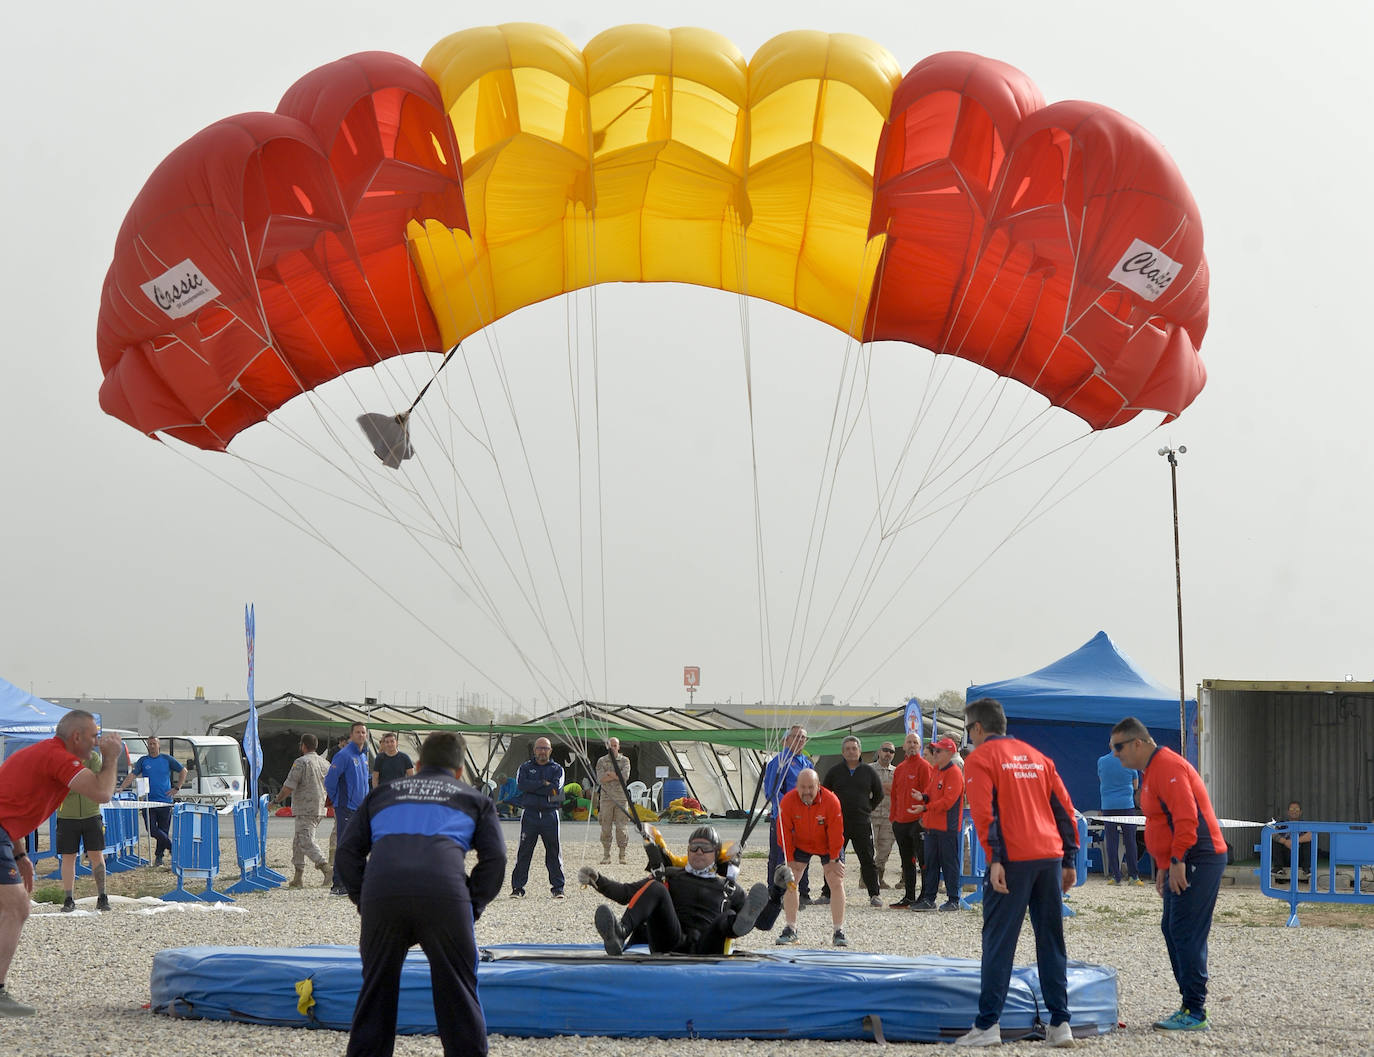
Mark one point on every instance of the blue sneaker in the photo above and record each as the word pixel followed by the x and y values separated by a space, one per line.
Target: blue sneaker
pixel 1183 1020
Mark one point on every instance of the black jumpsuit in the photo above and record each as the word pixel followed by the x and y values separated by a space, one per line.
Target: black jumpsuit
pixel 682 914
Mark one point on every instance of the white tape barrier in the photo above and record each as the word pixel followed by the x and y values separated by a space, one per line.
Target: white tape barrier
pixel 1139 820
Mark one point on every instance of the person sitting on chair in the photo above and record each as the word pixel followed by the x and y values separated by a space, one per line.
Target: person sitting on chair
pixel 689 909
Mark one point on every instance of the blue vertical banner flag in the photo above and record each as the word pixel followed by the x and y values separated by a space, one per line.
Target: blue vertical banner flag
pixel 912 722
pixel 252 744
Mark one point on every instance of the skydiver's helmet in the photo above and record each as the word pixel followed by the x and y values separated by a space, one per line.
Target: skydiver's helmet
pixel 706 833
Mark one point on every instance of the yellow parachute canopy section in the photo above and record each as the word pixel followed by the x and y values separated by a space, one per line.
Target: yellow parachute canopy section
pixel 697 166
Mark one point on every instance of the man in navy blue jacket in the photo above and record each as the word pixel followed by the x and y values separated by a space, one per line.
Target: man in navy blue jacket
pixel 541 796
pixel 347 782
pixel 402 863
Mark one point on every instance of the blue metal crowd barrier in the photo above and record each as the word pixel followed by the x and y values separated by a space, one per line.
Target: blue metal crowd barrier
pixel 1350 844
pixel 248 849
pixel 263 814
pixel 121 840
pixel 971 852
pixel 195 853
pixel 122 834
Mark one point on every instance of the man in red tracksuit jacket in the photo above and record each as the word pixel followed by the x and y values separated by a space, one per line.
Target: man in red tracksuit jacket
pixel 811 822
pixel 909 782
pixel 942 815
pixel 1026 824
pixel 1185 842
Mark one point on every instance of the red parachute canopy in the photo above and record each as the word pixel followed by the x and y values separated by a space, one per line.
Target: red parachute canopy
pixel 1055 245
pixel 267 255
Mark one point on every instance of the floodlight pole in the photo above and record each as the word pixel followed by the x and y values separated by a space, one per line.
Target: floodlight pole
pixel 1172 455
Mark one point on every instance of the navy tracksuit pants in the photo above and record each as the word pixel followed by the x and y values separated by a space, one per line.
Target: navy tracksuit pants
pixel 1186 923
pixel 1033 885
pixel 538 824
pixel 942 860
pixel 342 817
pixel 443 929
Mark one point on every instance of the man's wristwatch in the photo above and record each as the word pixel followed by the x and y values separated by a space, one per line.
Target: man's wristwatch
pixel 20 854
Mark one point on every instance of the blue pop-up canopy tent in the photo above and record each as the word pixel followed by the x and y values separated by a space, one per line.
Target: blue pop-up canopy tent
pixel 25 718
pixel 1067 710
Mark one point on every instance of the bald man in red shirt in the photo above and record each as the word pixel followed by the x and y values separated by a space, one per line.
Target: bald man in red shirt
pixel 811 822
pixel 33 782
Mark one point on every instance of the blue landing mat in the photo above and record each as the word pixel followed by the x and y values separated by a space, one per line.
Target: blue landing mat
pixel 770 994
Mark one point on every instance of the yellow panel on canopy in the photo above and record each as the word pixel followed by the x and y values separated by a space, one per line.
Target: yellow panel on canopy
pixel 657 155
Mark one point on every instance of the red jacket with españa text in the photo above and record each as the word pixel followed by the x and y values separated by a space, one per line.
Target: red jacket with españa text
pixel 1180 824
pixel 1019 804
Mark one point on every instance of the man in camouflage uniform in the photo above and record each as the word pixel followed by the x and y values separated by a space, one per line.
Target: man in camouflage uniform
pixel 882 824
pixel 614 806
pixel 305 786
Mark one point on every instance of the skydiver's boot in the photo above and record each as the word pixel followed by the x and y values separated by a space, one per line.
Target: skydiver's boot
pixel 298 880
pixel 613 931
pixel 754 903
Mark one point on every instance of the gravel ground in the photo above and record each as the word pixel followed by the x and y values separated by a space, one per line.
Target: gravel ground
pixel 1275 990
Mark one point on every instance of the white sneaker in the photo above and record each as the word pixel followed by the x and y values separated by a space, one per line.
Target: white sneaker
pixel 981 1037
pixel 1059 1035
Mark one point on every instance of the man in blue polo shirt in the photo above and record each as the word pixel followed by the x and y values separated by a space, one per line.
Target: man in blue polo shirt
pixel 159 769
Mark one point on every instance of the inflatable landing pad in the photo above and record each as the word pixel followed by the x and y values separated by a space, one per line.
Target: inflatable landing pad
pixel 770 994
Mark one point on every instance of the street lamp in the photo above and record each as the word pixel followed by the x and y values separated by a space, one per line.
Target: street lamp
pixel 1172 455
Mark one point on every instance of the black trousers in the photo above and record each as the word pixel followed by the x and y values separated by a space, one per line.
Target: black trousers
pixel 911 850
pixel 443 929
pixel 861 837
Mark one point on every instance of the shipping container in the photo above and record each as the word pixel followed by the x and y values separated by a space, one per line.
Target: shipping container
pixel 1263 744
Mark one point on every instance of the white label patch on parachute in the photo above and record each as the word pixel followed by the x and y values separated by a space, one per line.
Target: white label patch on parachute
pixel 1145 270
pixel 180 290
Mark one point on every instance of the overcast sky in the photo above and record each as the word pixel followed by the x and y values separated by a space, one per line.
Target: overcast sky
pixel 127 563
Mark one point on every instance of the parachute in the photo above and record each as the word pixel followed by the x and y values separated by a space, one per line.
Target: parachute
pixel 386 208
pixel 387 215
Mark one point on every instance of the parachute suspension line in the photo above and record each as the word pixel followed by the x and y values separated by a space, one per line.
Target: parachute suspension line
pixel 766 670
pixel 490 610
pixel 852 407
pixel 594 300
pixel 529 595
pixel 1024 522
pixel 532 596
pixel 863 368
pixel 572 317
pixel 305 526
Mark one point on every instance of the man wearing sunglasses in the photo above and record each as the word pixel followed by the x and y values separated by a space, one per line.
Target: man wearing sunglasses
pixel 882 814
pixel 692 909
pixel 1189 854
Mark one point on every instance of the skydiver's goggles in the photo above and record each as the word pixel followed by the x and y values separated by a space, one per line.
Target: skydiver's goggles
pixel 698 845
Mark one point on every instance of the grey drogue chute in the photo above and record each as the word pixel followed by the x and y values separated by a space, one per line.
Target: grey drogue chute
pixel 389 436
